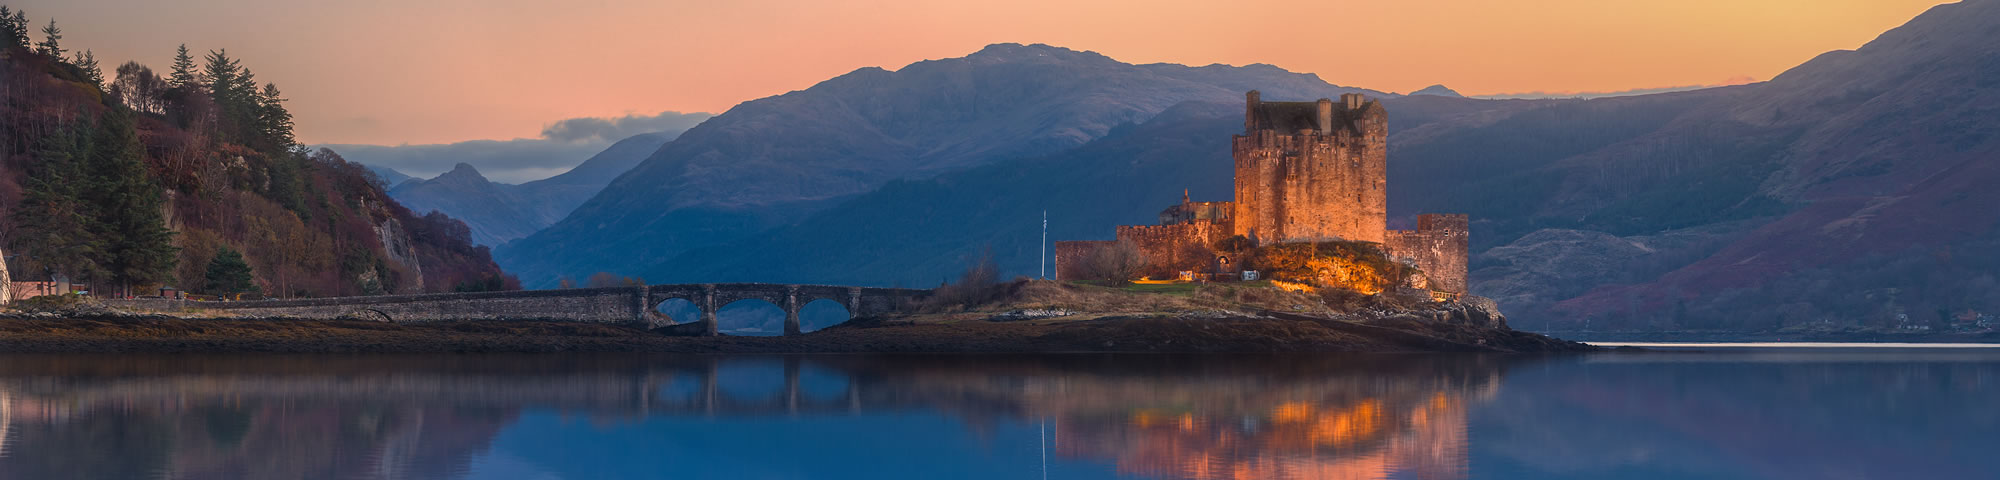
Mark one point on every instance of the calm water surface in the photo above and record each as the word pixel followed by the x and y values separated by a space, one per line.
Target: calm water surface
pixel 1778 413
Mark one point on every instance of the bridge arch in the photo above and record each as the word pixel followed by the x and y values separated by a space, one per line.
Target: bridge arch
pixel 751 316
pixel 846 303
pixel 678 310
pixel 820 313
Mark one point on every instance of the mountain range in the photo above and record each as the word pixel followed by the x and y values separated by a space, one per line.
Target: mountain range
pixel 1852 189
pixel 500 212
pixel 774 161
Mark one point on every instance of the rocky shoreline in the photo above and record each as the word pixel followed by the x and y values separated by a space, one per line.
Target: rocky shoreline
pixel 1273 332
pixel 1021 317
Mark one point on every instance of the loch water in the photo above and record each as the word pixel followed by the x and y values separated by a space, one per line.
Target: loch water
pixel 1724 413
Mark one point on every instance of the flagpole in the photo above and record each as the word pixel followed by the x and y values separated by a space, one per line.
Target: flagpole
pixel 1044 265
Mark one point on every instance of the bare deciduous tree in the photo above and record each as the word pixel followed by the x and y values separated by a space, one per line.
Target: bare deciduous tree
pixel 1121 260
pixel 139 89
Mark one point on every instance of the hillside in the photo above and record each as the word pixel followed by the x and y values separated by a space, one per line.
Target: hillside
pixel 1846 192
pixel 1888 172
pixel 499 212
pixel 919 232
pixel 143 179
pixel 772 161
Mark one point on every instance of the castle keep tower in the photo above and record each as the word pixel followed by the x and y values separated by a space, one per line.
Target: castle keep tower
pixel 1305 172
pixel 1308 171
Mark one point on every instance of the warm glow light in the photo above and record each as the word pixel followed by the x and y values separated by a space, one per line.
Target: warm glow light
pixel 1291 286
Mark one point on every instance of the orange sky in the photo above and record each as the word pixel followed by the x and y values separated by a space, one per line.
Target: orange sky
pixel 392 71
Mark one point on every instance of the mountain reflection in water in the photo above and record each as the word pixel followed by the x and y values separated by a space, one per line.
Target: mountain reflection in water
pixel 1082 416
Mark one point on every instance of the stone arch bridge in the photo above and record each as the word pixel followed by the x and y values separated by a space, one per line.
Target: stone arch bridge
pixel 635 305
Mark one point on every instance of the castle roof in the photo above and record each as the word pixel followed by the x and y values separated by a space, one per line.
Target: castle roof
pixel 1287 116
pixel 1291 117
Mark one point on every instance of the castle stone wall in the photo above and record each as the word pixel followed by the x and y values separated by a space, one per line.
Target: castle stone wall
pixel 1172 246
pixel 1438 247
pixel 1312 171
pixel 1071 257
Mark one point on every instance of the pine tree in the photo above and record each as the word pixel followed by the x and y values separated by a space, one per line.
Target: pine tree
pixel 53 219
pixel 18 27
pixel 87 63
pixel 228 274
pixel 243 110
pixel 234 90
pixel 138 248
pixel 183 74
pixel 9 39
pixel 274 123
pixel 51 41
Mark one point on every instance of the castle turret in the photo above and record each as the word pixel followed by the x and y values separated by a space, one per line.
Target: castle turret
pixel 1250 102
pixel 1325 117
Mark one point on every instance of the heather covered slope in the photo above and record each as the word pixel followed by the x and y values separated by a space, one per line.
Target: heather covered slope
pixel 772 161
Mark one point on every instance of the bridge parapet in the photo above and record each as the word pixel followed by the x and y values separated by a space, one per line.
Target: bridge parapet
pixel 792 298
pixel 634 305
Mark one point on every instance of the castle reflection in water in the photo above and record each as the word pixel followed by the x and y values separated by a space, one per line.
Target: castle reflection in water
pixel 1782 415
pixel 392 417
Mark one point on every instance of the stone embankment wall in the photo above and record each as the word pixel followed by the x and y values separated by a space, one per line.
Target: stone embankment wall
pixel 619 305
pixel 615 305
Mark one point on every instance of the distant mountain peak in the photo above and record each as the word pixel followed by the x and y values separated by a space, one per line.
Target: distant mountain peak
pixel 1015 52
pixel 1437 90
pixel 462 172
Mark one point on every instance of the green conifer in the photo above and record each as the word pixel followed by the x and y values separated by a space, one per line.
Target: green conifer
pixel 274 122
pixel 9 38
pixel 53 219
pixel 51 41
pixel 138 247
pixel 18 27
pixel 228 274
pixel 183 74
pixel 87 63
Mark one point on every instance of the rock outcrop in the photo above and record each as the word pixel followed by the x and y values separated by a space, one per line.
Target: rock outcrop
pixel 6 283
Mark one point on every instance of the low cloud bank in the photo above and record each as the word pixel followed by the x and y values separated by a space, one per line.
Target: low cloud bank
pixel 614 129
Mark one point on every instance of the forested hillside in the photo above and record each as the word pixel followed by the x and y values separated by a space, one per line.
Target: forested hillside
pixel 129 178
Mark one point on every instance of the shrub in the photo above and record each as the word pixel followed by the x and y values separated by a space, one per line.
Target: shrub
pixel 1119 261
pixel 979 284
